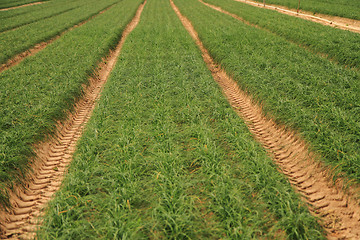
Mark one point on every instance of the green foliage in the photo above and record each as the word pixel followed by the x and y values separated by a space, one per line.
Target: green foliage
pixel 342 8
pixel 38 92
pixel 23 10
pixel 15 3
pixel 165 156
pixel 339 45
pixel 302 90
pixel 25 37
pixel 38 13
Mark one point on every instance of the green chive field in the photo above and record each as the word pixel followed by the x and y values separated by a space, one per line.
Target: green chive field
pixel 303 90
pixel 34 96
pixel 15 3
pixel 341 8
pixel 164 154
pixel 38 13
pixel 338 45
pixel 46 29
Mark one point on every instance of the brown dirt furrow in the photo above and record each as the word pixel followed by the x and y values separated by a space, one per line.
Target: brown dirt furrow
pixel 333 21
pixel 25 5
pixel 54 156
pixel 339 212
pixel 40 46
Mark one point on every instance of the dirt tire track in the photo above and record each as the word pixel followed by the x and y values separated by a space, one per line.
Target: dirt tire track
pixel 338 211
pixel 53 157
pixel 25 5
pixel 327 20
pixel 40 46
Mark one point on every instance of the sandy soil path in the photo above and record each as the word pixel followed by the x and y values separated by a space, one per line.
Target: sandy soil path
pixel 339 211
pixel 54 156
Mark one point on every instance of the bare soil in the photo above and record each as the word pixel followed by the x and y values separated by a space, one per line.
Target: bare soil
pixel 54 156
pixel 338 211
pixel 328 20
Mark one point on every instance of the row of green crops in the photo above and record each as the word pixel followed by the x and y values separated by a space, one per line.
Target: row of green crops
pixel 48 10
pixel 342 8
pixel 39 91
pixel 302 90
pixel 165 157
pixel 341 46
pixel 25 37
pixel 14 3
pixel 23 10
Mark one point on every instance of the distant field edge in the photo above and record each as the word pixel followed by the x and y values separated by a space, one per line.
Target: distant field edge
pixel 343 43
pixel 18 58
pixel 20 6
pixel 342 8
pixel 327 20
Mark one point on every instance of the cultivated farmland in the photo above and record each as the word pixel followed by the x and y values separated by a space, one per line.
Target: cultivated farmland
pixel 38 13
pixel 4 4
pixel 342 8
pixel 304 90
pixel 176 119
pixel 48 87
pixel 335 44
pixel 46 29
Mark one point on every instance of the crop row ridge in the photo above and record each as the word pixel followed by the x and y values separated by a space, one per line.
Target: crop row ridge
pixel 54 156
pixel 338 211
